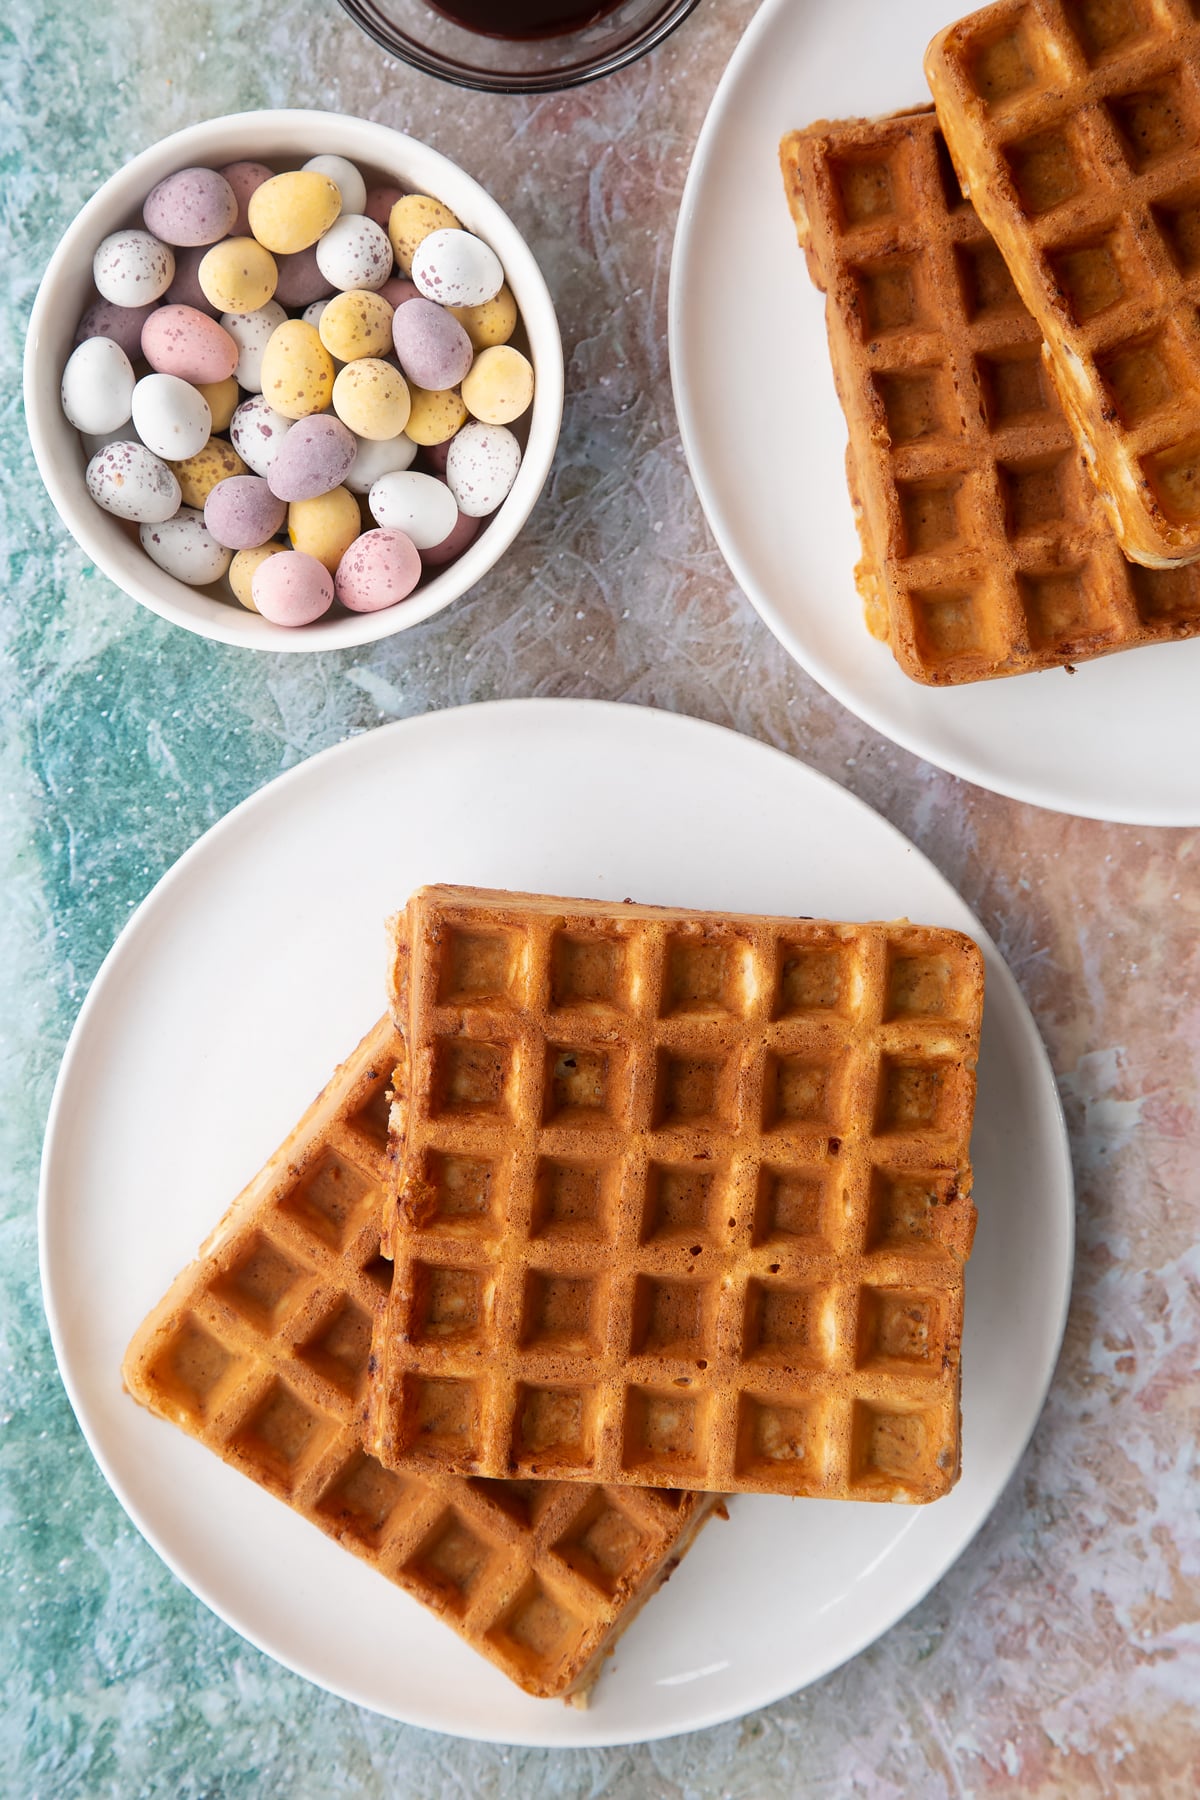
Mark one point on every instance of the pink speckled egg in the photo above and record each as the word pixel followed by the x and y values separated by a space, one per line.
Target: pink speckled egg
pixel 379 569
pixel 178 340
pixel 292 588
pixel 464 532
pixel 193 206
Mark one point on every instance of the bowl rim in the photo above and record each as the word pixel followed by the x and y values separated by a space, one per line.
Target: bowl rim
pixel 271 133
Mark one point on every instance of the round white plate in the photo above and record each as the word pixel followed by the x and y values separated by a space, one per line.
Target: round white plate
pixel 256 964
pixel 765 438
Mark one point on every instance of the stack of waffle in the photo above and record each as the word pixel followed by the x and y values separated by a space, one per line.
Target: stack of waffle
pixel 666 1206
pixel 1020 370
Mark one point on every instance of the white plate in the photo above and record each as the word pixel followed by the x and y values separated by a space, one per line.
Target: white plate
pixel 765 437
pixel 258 961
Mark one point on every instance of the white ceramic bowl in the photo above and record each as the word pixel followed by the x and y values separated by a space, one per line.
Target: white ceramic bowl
pixel 283 140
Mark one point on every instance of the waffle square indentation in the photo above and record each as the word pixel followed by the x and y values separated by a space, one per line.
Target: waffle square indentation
pixel 890 1448
pixel 778 1443
pixel 917 404
pixel 440 1416
pixel 1142 376
pixel 572 1200
pixel 479 966
pixel 1152 123
pixel 362 1499
pixel 681 1204
pixel 915 1094
pixel 1166 597
pixel 281 1436
pixel 865 188
pixel 603 1544
pixel 909 1212
pixel 588 971
pixel 931 514
pixel 801 1090
pixel 1012 383
pixel 523 1502
pixel 373 1116
pixel 792 1209
pixel 340 1347
pixel 1039 492
pixel 919 986
pixel 446 1304
pixel 582 1086
pixel 1174 475
pixel 694 1088
pixel 899 1327
pixel 459 1193
pixel 812 979
pixel 1178 219
pixel 948 624
pixel 331 1200
pixel 664 1430
pixel 450 1562
pixel 705 976
pixel 191 1370
pixel 988 290
pixel 671 1318
pixel 536 1632
pixel 1091 275
pixel 553 1428
pixel 1060 604
pixel 1045 171
pixel 890 294
pixel 259 1283
pixel 787 1324
pixel 1102 26
pixel 470 1077
pixel 562 1313
pixel 1004 64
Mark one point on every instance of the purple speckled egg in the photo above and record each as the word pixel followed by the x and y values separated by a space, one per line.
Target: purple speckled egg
pixel 300 280
pixel 244 178
pixel 256 431
pixel 193 206
pixel 434 350
pixel 185 289
pixel 398 288
pixel 465 531
pixel 379 569
pixel 314 457
pixel 481 466
pixel 241 512
pixel 292 588
pixel 123 324
pixel 178 340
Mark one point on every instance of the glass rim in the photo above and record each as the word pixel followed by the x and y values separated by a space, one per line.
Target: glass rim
pixel 368 16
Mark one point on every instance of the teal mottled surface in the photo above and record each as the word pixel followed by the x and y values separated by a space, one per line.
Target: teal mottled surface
pixel 1061 1654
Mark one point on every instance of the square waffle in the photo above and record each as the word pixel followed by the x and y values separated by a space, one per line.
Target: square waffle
pixel 260 1350
pixel 1075 126
pixel 683 1199
pixel 986 551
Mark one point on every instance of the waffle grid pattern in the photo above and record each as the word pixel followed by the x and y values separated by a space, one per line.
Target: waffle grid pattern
pixel 1077 126
pixel 683 1200
pixel 261 1351
pixel 986 549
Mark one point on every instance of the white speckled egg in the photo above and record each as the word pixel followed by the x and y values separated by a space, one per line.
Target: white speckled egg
pixel 185 548
pixel 170 417
pixel 350 183
pixel 251 332
pixel 132 268
pixel 419 505
pixel 355 253
pixel 256 431
pixel 130 482
pixel 97 386
pixel 376 457
pixel 457 269
pixel 481 466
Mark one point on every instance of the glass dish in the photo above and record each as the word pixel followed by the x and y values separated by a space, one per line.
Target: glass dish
pixel 421 35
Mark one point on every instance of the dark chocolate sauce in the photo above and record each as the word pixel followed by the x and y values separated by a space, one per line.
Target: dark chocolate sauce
pixel 517 19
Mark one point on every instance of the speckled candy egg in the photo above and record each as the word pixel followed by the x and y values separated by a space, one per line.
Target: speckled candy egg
pixel 492 323
pixel 379 203
pixel 499 387
pixel 297 370
pixel 185 548
pixel 243 513
pixel 178 340
pixel 419 505
pixel 244 178
pixel 315 456
pixel 223 398
pixel 170 417
pixel 185 289
pixel 312 315
pixel 237 275
pixel 465 531
pixel 457 269
pixel 350 183
pixel 123 324
pixel 413 218
pixel 133 268
pixel 434 350
pixel 435 414
pixel 373 459
pixel 481 466
pixel 355 253
pixel 290 212
pixel 379 569
pixel 130 482
pixel 372 398
pixel 193 206
pixel 252 332
pixel 300 280
pixel 242 570
pixel 291 588
pixel 198 475
pixel 256 431
pixel 326 526
pixel 97 386
pixel 355 324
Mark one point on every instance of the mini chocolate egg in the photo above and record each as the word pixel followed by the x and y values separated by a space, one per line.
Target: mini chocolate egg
pixel 132 268
pixel 97 386
pixel 325 527
pixel 178 340
pixel 184 548
pixel 481 466
pixel 290 212
pixel 379 203
pixel 291 588
pixel 314 457
pixel 256 431
pixel 193 206
pixel 435 414
pixel 355 253
pixel 492 323
pixel 252 332
pixel 123 324
pixel 412 219
pixel 466 530
pixel 354 324
pixel 223 398
pixel 300 280
pixel 419 505
pixel 433 349
pixel 398 288
pixel 244 178
pixel 350 183
pixel 297 370
pixel 457 269
pixel 185 289
pixel 379 569
pixel 243 513
pixel 198 475
pixel 237 275
pixel 372 398
pixel 170 417
pixel 499 387
pixel 374 458
pixel 240 574
pixel 130 482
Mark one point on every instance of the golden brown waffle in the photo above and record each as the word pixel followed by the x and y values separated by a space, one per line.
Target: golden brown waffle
pixel 260 1350
pixel 683 1199
pixel 986 551
pixel 1075 125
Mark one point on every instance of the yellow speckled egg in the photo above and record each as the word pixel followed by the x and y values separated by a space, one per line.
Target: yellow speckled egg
pixel 223 398
pixel 498 387
pixel 493 322
pixel 325 527
pixel 242 571
pixel 356 323
pixel 372 398
pixel 412 219
pixel 237 275
pixel 435 415
pixel 297 371
pixel 290 212
pixel 198 475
